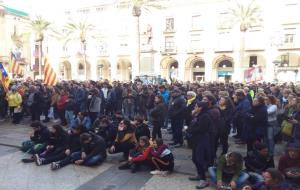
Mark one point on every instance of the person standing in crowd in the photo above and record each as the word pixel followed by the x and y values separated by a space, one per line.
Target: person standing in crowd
pixel 35 103
pixel 81 96
pixel 191 103
pixel 166 97
pixel 200 142
pixel 226 110
pixel 14 102
pixel 214 113
pixel 95 105
pixel 3 104
pixel 176 114
pixel 61 107
pixel 129 96
pixel 70 110
pixel 157 115
pixel 271 103
pixel 46 103
pixel 256 122
pixel 243 106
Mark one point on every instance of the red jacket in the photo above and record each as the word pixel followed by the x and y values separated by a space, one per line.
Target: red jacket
pixel 286 162
pixel 144 156
pixel 62 102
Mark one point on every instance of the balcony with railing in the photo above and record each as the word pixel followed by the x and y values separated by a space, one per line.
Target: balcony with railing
pixel 168 50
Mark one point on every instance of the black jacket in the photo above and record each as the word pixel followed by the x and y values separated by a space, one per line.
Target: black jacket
pixel 95 147
pixel 188 112
pixel 74 143
pixel 142 130
pixel 199 127
pixel 41 136
pixel 59 142
pixel 177 108
pixel 254 162
pixel 158 114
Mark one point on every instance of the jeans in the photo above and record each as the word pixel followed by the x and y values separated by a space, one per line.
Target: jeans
pixel 69 115
pixel 255 178
pixel 156 132
pixel 270 137
pixel 97 159
pixel 177 125
pixel 239 182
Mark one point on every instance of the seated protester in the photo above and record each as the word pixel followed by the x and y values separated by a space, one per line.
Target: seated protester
pixel 273 180
pixel 125 139
pixel 82 119
pixel 229 168
pixel 289 164
pixel 73 146
pixel 93 150
pixel 141 129
pixel 257 161
pixel 162 158
pixel 116 119
pixel 139 156
pixel 103 127
pixel 38 140
pixel 55 150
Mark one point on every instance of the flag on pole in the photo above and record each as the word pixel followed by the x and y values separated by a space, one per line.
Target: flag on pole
pixel 14 65
pixel 49 74
pixel 4 78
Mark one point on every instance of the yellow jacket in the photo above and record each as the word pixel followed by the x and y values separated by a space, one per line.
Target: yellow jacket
pixel 14 99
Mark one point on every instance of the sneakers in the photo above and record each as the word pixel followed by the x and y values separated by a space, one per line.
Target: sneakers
pixel 158 172
pixel 202 184
pixel 39 161
pixel 55 166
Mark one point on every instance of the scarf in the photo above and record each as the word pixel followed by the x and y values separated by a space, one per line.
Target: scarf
pixel 190 101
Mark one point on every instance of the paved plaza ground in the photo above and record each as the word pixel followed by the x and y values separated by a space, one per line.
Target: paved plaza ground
pixel 15 175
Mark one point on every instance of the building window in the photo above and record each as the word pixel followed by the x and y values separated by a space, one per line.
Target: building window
pixel 196 22
pixel 224 20
pixel 289 38
pixel 195 41
pixel 170 24
pixel 285 60
pixel 83 11
pixel 169 43
pixel 253 61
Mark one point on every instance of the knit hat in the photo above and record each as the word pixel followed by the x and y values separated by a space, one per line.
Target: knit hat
pixel 294 147
pixel 191 93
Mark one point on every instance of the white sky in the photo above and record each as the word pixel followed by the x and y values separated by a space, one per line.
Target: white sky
pixel 50 7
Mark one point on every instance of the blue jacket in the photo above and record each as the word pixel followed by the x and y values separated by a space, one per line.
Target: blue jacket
pixel 166 96
pixel 86 122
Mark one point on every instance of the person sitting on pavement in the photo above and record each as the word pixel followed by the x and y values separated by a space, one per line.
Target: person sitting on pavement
pixel 93 150
pixel 257 161
pixel 61 160
pixel 58 143
pixel 82 119
pixel 289 164
pixel 141 155
pixel 162 158
pixel 103 127
pixel 38 140
pixel 273 180
pixel 141 129
pixel 125 140
pixel 229 168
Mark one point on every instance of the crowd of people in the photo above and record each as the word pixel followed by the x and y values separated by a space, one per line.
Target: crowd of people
pixel 94 119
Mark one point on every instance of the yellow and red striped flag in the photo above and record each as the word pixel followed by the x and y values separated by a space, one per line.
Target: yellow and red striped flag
pixel 49 74
pixel 14 65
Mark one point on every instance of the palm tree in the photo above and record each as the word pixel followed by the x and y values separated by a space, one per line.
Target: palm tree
pixel 79 31
pixel 137 6
pixel 246 15
pixel 40 26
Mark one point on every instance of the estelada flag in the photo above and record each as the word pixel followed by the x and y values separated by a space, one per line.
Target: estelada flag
pixel 15 67
pixel 4 78
pixel 50 76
